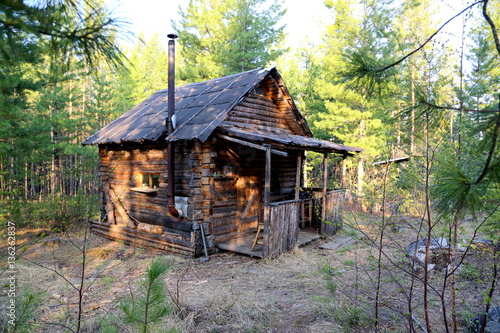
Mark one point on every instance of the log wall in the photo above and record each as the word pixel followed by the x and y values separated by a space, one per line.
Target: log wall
pixel 170 242
pixel 126 204
pixel 260 113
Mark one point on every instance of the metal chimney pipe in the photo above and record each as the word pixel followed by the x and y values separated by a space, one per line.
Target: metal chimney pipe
pixel 171 126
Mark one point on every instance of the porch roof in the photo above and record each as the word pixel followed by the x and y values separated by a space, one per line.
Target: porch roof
pixel 285 141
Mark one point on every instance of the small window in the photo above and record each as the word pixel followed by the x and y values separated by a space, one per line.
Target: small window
pixel 150 180
pixel 148 183
pixel 259 91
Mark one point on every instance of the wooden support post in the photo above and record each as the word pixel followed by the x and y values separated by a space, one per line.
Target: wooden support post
pixel 325 182
pixel 297 176
pixel 342 175
pixel 297 189
pixel 267 201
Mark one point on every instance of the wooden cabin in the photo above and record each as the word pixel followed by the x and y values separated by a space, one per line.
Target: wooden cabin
pixel 238 143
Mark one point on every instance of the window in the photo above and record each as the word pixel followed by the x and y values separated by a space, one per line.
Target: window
pixel 150 180
pixel 148 183
pixel 259 91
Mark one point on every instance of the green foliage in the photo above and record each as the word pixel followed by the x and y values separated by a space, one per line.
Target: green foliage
pixel 83 29
pixel 148 71
pixel 27 310
pixel 149 303
pixel 225 37
pixel 55 82
pixel 455 187
pixel 56 212
pixel 328 274
pixel 355 316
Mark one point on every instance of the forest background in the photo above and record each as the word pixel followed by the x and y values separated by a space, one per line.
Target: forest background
pixel 66 72
pixel 384 75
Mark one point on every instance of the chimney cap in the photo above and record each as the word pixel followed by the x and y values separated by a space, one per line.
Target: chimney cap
pixel 172 36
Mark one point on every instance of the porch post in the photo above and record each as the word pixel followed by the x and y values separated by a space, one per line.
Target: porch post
pixel 325 182
pixel 267 199
pixel 342 175
pixel 297 176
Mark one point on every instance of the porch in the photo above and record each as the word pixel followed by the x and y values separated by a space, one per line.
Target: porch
pixel 243 244
pixel 292 223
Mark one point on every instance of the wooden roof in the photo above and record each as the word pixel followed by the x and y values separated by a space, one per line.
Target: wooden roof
pixel 288 141
pixel 200 108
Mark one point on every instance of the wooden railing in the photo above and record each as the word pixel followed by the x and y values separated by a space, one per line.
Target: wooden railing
pixel 283 228
pixel 332 211
pixel 281 232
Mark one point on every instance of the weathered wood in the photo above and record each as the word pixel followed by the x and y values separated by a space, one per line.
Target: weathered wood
pixel 262 116
pixel 298 176
pixel 225 229
pixel 258 123
pixel 180 239
pixel 333 204
pixel 267 194
pixel 253 145
pixel 223 221
pixel 249 109
pixel 283 228
pixel 170 242
pixel 118 207
pixel 325 183
pixel 274 130
pixel 150 228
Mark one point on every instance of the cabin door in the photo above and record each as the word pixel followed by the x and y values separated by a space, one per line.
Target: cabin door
pixel 249 202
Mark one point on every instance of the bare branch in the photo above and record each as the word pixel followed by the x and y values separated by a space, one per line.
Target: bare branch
pixel 428 39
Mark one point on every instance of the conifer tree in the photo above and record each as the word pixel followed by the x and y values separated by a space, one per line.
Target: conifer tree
pixel 222 37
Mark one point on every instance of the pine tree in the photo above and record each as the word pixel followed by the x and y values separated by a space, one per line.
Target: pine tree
pixel 221 37
pixel 348 117
pixel 149 304
pixel 148 70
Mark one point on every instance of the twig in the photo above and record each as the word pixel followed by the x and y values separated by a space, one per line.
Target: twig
pixel 428 39
pixel 418 324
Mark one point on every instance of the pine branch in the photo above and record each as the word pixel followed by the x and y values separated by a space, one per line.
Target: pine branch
pixel 496 130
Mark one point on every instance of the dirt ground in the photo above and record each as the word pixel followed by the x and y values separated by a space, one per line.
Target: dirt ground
pixel 308 290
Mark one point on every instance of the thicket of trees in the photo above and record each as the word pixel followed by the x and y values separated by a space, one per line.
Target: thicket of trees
pixel 381 79
pixel 63 76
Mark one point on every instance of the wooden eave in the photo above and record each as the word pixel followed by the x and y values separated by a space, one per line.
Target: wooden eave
pixel 286 141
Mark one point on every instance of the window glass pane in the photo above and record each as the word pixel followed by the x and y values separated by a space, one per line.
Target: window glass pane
pixel 145 180
pixel 155 181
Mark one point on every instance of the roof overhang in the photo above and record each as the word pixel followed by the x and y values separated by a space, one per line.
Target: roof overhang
pixel 394 160
pixel 283 141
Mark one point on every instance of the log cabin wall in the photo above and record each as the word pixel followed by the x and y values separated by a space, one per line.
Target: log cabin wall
pixel 259 112
pixel 126 202
pixel 238 187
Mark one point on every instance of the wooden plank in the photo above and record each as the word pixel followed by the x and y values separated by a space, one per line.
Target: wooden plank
pixel 298 176
pixel 225 229
pixel 165 239
pixel 249 203
pixel 257 122
pixel 325 183
pixel 246 108
pixel 249 144
pixel 118 205
pixel 254 114
pixel 267 195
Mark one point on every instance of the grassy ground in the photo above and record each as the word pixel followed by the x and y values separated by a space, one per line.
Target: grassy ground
pixel 308 290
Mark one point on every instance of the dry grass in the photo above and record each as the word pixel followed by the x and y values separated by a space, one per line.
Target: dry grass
pixel 233 293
